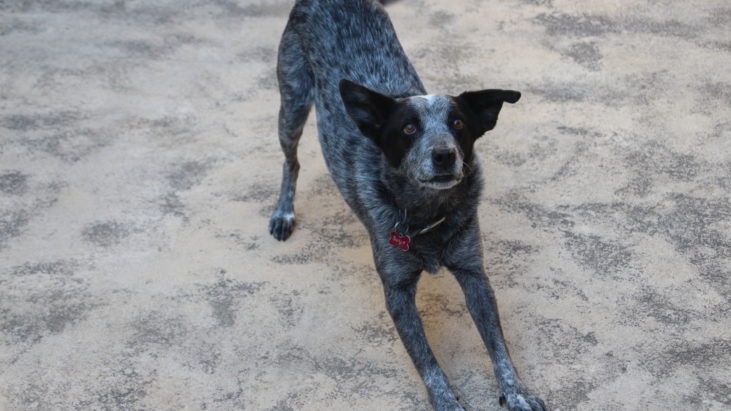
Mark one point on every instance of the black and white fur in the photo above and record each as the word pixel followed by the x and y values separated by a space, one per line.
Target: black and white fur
pixel 399 157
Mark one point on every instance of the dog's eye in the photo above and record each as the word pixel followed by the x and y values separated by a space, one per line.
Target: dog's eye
pixel 457 124
pixel 409 129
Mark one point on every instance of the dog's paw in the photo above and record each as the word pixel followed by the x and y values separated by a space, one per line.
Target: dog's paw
pixel 281 225
pixel 453 405
pixel 447 402
pixel 520 399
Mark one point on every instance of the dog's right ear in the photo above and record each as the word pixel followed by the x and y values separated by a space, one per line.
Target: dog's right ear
pixel 368 109
pixel 486 105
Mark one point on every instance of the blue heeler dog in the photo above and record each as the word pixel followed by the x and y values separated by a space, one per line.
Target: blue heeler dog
pixel 404 162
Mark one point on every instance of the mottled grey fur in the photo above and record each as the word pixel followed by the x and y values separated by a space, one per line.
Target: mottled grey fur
pixel 326 41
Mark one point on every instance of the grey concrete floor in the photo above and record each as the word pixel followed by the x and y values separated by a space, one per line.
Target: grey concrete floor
pixel 139 164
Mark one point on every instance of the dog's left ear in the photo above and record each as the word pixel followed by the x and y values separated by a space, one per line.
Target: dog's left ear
pixel 369 109
pixel 486 105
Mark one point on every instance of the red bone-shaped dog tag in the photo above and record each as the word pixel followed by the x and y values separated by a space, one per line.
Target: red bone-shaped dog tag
pixel 399 240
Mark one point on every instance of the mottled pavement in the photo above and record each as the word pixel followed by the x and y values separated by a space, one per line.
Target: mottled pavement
pixel 139 164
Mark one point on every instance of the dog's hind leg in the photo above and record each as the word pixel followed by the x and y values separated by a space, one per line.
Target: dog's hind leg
pixel 296 89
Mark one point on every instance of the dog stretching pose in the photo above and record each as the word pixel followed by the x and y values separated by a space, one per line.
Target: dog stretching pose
pixel 404 162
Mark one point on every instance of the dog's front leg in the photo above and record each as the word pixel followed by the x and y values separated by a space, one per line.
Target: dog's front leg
pixel 464 260
pixel 400 291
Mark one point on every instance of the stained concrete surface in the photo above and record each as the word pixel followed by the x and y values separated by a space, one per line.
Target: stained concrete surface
pixel 139 165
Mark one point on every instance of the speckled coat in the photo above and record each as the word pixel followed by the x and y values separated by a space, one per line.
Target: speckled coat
pixel 344 56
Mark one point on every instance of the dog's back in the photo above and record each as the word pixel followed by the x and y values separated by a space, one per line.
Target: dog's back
pixel 354 40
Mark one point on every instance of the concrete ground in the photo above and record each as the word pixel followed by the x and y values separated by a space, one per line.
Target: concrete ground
pixel 139 164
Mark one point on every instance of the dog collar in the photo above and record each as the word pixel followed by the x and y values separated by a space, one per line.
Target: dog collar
pixel 401 238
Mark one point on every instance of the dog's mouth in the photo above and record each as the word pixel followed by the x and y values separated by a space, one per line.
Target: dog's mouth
pixel 441 181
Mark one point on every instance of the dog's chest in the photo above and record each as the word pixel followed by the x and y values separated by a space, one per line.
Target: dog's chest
pixel 427 249
pixel 426 239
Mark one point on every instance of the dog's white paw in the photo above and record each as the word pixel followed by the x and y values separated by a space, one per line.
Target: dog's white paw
pixel 521 400
pixel 450 405
pixel 445 401
pixel 281 225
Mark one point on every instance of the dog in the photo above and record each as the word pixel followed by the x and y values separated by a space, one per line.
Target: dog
pixel 404 162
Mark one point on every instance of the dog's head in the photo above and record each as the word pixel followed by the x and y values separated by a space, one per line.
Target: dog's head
pixel 427 138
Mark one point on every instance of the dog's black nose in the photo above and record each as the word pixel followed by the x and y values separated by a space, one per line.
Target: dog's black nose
pixel 443 157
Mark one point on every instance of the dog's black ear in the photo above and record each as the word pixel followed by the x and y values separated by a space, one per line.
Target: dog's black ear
pixel 368 109
pixel 486 105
